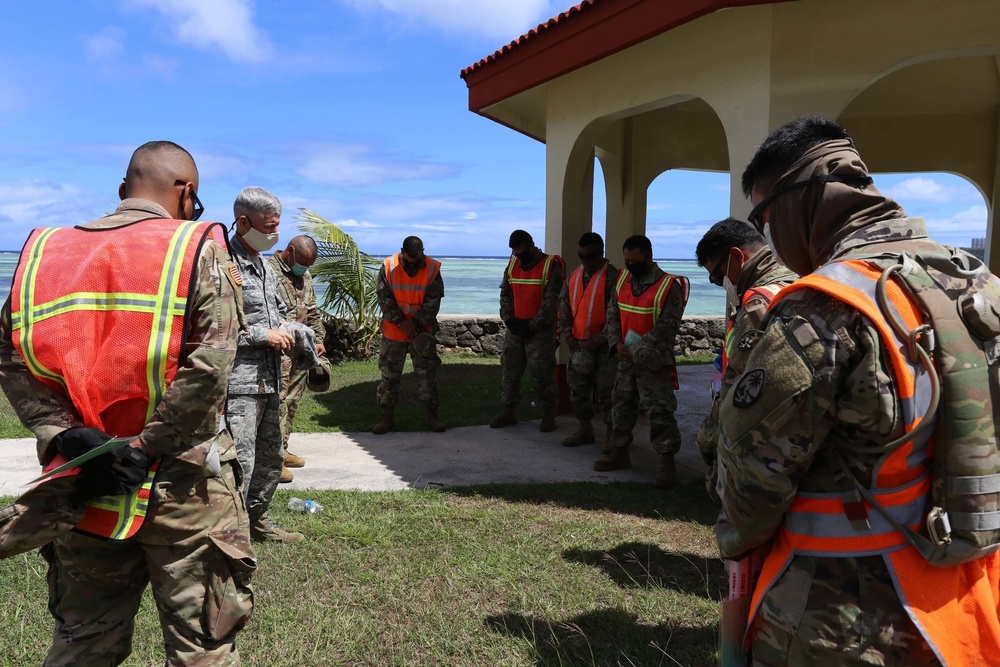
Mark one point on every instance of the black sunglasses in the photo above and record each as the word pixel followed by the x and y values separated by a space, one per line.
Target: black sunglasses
pixel 588 256
pixel 198 208
pixel 754 218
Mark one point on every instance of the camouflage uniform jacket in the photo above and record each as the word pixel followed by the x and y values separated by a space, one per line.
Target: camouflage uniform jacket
pixel 186 423
pixel 391 312
pixel 760 270
pixel 257 369
pixel 818 377
pixel 545 319
pixel 599 340
pixel 661 337
pixel 298 295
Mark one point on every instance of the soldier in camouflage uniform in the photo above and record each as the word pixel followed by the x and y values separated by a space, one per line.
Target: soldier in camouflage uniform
pixel 291 267
pixel 530 340
pixel 194 547
pixel 646 374
pixel 410 333
pixel 591 369
pixel 818 387
pixel 253 407
pixel 737 258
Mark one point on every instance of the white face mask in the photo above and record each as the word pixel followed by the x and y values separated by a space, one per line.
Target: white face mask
pixel 727 284
pixel 259 241
pixel 770 241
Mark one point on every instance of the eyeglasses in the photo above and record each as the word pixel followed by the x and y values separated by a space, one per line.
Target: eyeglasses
pixel 589 256
pixel 755 215
pixel 198 208
pixel 716 276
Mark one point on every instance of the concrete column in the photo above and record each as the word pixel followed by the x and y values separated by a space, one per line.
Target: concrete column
pixel 992 236
pixel 625 193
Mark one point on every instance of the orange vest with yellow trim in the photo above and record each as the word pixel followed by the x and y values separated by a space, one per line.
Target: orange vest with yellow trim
pixel 587 304
pixel 639 314
pixel 528 287
pixel 408 292
pixel 956 609
pixel 767 292
pixel 95 324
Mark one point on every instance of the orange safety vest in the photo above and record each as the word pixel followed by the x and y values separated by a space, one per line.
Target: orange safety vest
pixel 639 314
pixel 528 287
pixel 409 292
pixel 768 292
pixel 107 336
pixel 956 609
pixel 590 319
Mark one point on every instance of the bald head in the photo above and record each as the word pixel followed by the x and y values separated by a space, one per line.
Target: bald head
pixel 301 250
pixel 165 173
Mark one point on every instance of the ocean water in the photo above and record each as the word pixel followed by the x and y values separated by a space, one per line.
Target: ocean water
pixel 472 284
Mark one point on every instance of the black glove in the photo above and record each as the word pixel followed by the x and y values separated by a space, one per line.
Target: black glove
pixel 519 327
pixel 118 473
pixel 74 442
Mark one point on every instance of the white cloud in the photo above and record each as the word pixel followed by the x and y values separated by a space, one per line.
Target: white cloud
pixel 354 224
pixel 356 165
pixel 227 25
pixel 105 46
pixel 971 221
pixel 26 204
pixel 500 19
pixel 470 215
pixel 923 189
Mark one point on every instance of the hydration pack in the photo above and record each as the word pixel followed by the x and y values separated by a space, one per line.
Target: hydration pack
pixel 960 300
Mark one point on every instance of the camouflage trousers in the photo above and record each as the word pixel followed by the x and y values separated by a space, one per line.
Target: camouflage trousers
pixel 391 357
pixel 253 419
pixel 591 377
pixel 653 393
pixel 293 388
pixel 193 549
pixel 537 355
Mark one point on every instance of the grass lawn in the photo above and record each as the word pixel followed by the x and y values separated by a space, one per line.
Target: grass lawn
pixel 469 386
pixel 556 574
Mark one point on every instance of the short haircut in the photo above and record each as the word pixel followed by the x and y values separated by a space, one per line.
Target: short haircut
pixel 159 147
pixel 639 242
pixel 305 243
pixel 591 239
pixel 518 238
pixel 255 199
pixel 725 235
pixel 413 246
pixel 785 146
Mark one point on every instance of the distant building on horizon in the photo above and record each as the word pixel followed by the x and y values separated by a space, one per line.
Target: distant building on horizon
pixel 978 248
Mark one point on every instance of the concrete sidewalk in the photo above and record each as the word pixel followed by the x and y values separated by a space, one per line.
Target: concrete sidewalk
pixel 458 457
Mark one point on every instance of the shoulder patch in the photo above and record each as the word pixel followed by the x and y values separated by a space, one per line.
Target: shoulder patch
pixel 748 339
pixel 234 271
pixel 749 389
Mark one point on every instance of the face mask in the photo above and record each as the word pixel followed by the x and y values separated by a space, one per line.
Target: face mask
pixel 259 241
pixel 727 284
pixel 298 270
pixel 770 241
pixel 525 256
pixel 638 269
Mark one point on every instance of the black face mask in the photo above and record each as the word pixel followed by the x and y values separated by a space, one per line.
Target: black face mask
pixel 525 256
pixel 637 269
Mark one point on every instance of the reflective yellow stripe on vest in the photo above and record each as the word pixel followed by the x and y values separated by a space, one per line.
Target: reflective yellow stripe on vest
pixel 546 271
pixel 655 309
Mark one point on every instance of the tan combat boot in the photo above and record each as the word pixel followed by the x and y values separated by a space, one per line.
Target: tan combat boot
pixel 263 530
pixel 668 473
pixel 507 417
pixel 434 423
pixel 286 476
pixel 606 445
pixel 386 424
pixel 616 460
pixel 583 436
pixel 293 461
pixel 548 420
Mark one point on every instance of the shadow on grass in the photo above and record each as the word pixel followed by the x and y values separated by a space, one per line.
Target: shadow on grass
pixel 608 637
pixel 684 502
pixel 468 397
pixel 641 565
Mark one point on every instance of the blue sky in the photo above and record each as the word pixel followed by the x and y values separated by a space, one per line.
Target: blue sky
pixel 352 108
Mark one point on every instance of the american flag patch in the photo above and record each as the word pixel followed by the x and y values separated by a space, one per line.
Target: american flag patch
pixel 234 271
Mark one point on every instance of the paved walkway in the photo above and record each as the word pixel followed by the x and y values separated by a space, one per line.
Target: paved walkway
pixel 458 457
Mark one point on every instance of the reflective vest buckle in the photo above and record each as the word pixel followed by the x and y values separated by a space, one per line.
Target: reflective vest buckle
pixel 938 526
pixel 855 510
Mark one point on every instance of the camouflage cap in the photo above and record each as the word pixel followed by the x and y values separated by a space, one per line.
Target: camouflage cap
pixel 40 515
pixel 319 377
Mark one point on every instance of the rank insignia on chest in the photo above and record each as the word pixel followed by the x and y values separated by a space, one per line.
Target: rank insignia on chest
pixel 234 271
pixel 749 389
pixel 748 340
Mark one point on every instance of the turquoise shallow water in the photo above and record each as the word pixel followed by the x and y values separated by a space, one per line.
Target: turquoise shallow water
pixel 472 284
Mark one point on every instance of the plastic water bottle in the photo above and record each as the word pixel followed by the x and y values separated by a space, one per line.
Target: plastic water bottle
pixel 307 506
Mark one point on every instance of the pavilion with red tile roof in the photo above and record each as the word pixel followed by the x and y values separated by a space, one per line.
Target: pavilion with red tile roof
pixel 646 86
